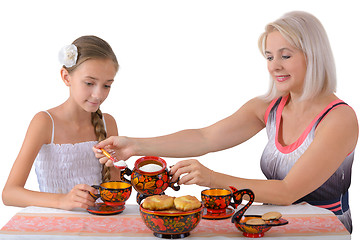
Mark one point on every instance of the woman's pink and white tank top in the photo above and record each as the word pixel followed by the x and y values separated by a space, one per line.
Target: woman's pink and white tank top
pixel 277 160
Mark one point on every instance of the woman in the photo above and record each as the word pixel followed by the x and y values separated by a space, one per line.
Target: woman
pixel 312 133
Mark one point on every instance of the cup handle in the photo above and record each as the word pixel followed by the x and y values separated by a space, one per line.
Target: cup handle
pixel 126 172
pixel 97 195
pixel 235 203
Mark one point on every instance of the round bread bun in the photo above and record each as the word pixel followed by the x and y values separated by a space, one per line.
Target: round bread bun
pixel 158 202
pixel 255 221
pixel 186 203
pixel 271 216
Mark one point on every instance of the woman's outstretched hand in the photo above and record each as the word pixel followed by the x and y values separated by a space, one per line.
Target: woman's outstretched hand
pixel 118 147
pixel 195 173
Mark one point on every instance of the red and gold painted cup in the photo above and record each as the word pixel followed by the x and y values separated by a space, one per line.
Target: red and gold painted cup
pixel 113 193
pixel 216 200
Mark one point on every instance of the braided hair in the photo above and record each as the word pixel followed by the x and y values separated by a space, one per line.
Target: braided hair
pixel 97 122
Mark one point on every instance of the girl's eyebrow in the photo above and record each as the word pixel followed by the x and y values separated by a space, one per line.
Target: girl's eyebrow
pixel 95 79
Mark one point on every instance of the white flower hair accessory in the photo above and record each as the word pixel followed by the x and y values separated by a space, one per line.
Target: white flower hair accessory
pixel 68 55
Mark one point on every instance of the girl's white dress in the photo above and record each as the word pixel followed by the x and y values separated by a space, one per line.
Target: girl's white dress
pixel 59 167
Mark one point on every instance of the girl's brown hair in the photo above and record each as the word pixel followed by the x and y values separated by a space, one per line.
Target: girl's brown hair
pixel 92 47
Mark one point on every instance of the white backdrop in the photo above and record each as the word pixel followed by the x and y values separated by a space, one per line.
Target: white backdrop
pixel 183 64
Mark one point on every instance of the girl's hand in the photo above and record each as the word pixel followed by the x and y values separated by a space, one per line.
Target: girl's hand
pixel 118 147
pixel 195 173
pixel 78 197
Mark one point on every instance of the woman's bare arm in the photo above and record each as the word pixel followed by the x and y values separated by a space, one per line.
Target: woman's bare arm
pixel 335 137
pixel 229 132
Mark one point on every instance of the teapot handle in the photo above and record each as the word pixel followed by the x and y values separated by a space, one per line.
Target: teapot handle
pixel 172 185
pixel 126 172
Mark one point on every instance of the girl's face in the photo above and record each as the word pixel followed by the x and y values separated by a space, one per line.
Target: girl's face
pixel 90 83
pixel 286 64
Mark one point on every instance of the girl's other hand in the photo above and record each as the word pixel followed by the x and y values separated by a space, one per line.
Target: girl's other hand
pixel 78 197
pixel 195 173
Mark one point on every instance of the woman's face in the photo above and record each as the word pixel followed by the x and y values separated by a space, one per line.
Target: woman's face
pixel 286 64
pixel 90 83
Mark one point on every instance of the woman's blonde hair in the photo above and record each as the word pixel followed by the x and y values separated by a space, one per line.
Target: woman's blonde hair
pixel 305 32
pixel 92 47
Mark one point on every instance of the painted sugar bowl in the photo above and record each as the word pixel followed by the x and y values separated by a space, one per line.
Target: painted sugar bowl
pixel 150 176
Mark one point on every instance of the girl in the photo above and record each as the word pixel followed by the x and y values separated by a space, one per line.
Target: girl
pixel 59 141
pixel 312 133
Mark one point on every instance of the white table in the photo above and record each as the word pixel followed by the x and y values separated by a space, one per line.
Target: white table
pixel 305 222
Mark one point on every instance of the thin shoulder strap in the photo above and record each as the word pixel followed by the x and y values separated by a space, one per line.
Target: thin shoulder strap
pixel 53 126
pixel 273 104
pixel 331 108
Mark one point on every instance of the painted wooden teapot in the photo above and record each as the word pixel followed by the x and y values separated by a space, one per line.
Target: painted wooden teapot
pixel 150 176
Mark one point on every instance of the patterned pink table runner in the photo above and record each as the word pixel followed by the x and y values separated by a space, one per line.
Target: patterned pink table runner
pixel 131 225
